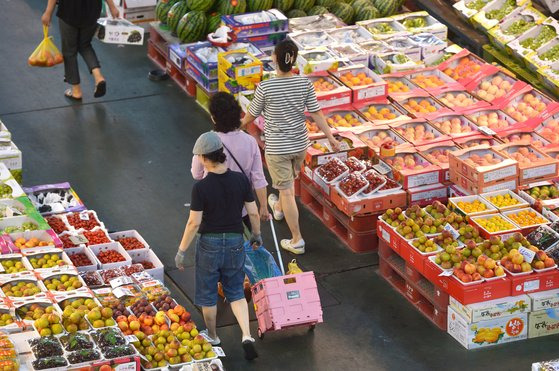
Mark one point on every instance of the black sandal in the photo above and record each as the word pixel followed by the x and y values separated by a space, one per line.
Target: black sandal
pixel 100 89
pixel 68 94
pixel 250 351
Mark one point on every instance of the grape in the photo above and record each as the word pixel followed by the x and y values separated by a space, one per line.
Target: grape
pixel 499 14
pixel 5 191
pixel 476 4
pixel 551 55
pixel 546 33
pixel 518 27
pixel 381 28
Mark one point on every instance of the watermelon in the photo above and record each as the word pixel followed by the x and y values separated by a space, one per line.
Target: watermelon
pixel 317 10
pixel 175 14
pixel 259 5
pixel 227 7
pixel 192 26
pixel 326 3
pixel 162 8
pixel 345 12
pixel 283 5
pixel 296 13
pixel 304 5
pixel 366 13
pixel 202 5
pixel 386 7
pixel 358 4
pixel 214 21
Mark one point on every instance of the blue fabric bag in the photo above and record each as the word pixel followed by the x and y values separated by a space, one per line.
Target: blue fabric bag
pixel 259 264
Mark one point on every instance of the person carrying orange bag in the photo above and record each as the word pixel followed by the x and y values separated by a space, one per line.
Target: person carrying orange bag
pixel 46 54
pixel 77 20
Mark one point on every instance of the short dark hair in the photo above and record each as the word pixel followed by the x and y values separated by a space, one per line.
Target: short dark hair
pixel 216 156
pixel 226 112
pixel 286 55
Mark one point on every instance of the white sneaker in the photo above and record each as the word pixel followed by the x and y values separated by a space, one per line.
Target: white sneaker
pixel 214 342
pixel 298 248
pixel 272 201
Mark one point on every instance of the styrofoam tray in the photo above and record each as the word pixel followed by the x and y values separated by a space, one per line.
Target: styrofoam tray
pixel 507 213
pixel 490 209
pixel 545 269
pixel 468 283
pixel 439 249
pixel 521 202
pixel 96 249
pixel 130 233
pixel 432 260
pixel 516 274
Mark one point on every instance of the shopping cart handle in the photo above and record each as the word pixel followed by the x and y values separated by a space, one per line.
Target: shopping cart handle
pixel 280 261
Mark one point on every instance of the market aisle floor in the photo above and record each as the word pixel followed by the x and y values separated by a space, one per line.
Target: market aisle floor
pixel 128 157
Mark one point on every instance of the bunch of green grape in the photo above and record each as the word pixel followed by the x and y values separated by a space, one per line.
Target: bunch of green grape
pixel 499 14
pixel 551 55
pixel 382 28
pixel 476 4
pixel 27 226
pixel 415 22
pixel 401 59
pixel 519 27
pixel 5 191
pixel 547 33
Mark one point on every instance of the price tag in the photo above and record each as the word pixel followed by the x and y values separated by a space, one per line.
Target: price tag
pixel 527 254
pixel 128 366
pixel 142 276
pixel 485 130
pixel 382 168
pixel 151 283
pixel 120 292
pixel 102 291
pixel 78 239
pixel 531 285
pixel 218 351
pixel 131 338
pixel 445 274
pixel 119 281
pixel 452 231
pixel 84 215
pixel 385 235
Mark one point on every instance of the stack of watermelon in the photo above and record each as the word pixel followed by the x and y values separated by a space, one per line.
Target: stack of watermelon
pixel 349 11
pixel 192 20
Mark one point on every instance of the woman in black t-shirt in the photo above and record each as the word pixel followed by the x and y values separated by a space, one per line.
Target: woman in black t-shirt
pixel 216 212
pixel 78 23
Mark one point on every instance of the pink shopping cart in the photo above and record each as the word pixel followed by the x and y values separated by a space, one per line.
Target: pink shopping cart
pixel 286 301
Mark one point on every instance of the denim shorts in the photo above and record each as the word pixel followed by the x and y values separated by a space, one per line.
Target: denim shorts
pixel 219 258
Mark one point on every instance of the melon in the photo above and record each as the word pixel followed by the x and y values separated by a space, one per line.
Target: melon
pixel 296 13
pixel 231 6
pixel 366 13
pixel 259 5
pixel 317 10
pixel 304 5
pixel 386 7
pixel 358 4
pixel 192 26
pixel 162 8
pixel 344 12
pixel 214 21
pixel 326 3
pixel 201 5
pixel 175 14
pixel 283 5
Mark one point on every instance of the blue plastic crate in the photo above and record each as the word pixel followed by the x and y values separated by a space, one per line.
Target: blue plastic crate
pixel 279 25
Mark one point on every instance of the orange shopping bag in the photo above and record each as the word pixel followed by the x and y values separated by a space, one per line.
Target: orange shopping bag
pixel 46 54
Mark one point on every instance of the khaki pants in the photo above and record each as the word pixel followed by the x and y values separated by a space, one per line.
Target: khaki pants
pixel 284 169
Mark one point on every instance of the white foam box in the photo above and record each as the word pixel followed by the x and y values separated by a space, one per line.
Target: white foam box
pixel 481 22
pixel 138 11
pixel 96 249
pixel 492 309
pixel 4 132
pixel 131 233
pixel 544 300
pixel 543 322
pixel 515 47
pixel 533 60
pixel 157 271
pixel 487 333
pixel 497 34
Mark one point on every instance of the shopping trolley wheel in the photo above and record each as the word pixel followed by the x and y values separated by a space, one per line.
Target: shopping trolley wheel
pixel 311 327
pixel 260 334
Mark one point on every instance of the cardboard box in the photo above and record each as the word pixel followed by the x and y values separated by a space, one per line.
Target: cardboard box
pixel 409 176
pixel 381 113
pixel 520 47
pixel 437 154
pixel 351 146
pixel 427 194
pixel 448 96
pixel 372 48
pixel 481 22
pixel 355 34
pixel 499 35
pixel 119 31
pixel 391 62
pixel 399 86
pixel 544 300
pixel 374 137
pixel 316 60
pixel 257 23
pixel 414 106
pixel 542 323
pixel 523 134
pixel 447 81
pixel 384 28
pixel 315 22
pixel 235 86
pixel 465 10
pixel 408 130
pixel 454 125
pixel 431 26
pixel 552 202
pixel 311 39
pixel 210 85
pixel 492 309
pixel 544 168
pixel 375 90
pixel 482 175
pixel 251 69
pixel 345 118
pixel 330 92
pixel 488 74
pixel 534 60
pixel 208 68
pixel 549 77
pixel 486 333
pixel 472 187
pixel 138 11
pixel 350 52
pixel 463 76
pixel 540 102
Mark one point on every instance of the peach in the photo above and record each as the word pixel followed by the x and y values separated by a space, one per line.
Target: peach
pixel 491 88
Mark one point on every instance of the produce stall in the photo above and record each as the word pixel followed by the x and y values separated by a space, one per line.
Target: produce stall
pixel 76 296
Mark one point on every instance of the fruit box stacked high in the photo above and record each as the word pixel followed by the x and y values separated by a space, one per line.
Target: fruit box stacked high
pixel 263 29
